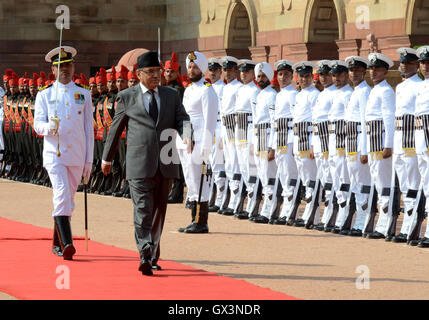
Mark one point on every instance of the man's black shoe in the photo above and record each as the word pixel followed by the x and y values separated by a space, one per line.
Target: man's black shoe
pixel 280 221
pixel 388 238
pixel 183 229
pixel 424 243
pixel 261 219
pixel 328 229
pixel 376 235
pixel 319 227
pixel 413 243
pixel 197 228
pixel 214 209
pixel 242 215
pixel 299 223
pixel 336 230
pixel 173 199
pixel 228 212
pixel 400 238
pixel 345 232
pixel 156 267
pixel 355 233
pixel 290 222
pixel 146 268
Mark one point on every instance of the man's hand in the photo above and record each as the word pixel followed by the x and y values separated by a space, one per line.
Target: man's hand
pixel 106 167
pixel 190 144
pixel 311 153
pixel 364 159
pixel 86 172
pixel 387 153
pixel 271 154
pixel 54 124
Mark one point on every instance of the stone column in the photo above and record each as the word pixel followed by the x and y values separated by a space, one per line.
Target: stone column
pixel 349 47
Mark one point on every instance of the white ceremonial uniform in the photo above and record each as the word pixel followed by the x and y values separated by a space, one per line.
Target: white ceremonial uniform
pixel 320 118
pixel 264 118
pixel 217 159
pixel 2 93
pixel 381 108
pixel 422 146
pixel 232 169
pixel 302 115
pixel 337 153
pixel 286 165
pixel 359 173
pixel 244 108
pixel 405 162
pixel 201 103
pixel 76 133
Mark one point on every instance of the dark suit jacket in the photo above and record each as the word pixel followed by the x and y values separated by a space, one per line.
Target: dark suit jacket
pixel 143 135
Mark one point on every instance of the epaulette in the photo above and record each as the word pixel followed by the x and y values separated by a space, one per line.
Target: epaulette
pixel 82 86
pixel 45 87
pixel 189 84
pixel 207 84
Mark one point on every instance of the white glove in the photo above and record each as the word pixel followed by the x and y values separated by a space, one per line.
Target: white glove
pixel 86 172
pixel 54 124
pixel 205 155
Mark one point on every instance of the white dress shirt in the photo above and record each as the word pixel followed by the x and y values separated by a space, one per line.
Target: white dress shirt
pixel 323 104
pixel 229 96
pixel 147 97
pixel 305 104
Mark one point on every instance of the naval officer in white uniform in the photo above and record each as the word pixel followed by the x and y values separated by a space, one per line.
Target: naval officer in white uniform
pixel 70 159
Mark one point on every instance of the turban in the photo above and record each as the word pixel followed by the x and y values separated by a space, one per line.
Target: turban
pixel 266 69
pixel 172 64
pixel 199 59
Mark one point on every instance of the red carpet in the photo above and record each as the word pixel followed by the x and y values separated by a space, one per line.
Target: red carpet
pixel 28 270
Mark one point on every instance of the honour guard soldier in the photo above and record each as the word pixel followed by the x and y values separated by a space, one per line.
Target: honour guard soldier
pixel 132 78
pixel 217 160
pixel 263 119
pixel 36 151
pixel 282 138
pixel 405 164
pixel 356 150
pixel 200 102
pixel 173 80
pixel 320 138
pixel 244 108
pixel 422 139
pixel 303 130
pixel 227 112
pixel 10 126
pixel 337 145
pixel 380 127
pixel 63 116
pixel 2 94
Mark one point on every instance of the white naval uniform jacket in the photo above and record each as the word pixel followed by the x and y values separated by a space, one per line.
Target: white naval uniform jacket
pixel 218 88
pixel 321 111
pixel 406 93
pixel 201 104
pixel 246 103
pixel 422 108
pixel 340 100
pixel 355 112
pixel 303 110
pixel 381 106
pixel 76 128
pixel 229 96
pixel 264 110
pixel 285 101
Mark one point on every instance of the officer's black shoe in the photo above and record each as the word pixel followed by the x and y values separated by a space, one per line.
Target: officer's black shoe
pixel 183 229
pixel 424 243
pixel 172 199
pixel 413 243
pixel 401 238
pixel 242 215
pixel 252 218
pixel 388 238
pixel 319 227
pixel 214 209
pixel 336 230
pixel 355 233
pixel 376 235
pixel 228 212
pixel 280 221
pixel 345 232
pixel 156 266
pixel 197 228
pixel 299 223
pixel 261 219
pixel 146 267
pixel 309 226
pixel 56 247
pixel 328 229
pixel 188 204
pixel 271 220
pixel 290 222
pixel 65 239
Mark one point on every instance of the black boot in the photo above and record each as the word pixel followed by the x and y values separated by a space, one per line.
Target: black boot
pixel 120 193
pixel 176 195
pixel 239 212
pixel 225 204
pixel 193 207
pixel 127 192
pixel 213 194
pixel 200 224
pixel 63 228
pixel 56 246
pixel 115 184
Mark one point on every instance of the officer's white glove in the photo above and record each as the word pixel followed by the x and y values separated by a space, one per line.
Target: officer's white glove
pixel 86 172
pixel 54 124
pixel 205 155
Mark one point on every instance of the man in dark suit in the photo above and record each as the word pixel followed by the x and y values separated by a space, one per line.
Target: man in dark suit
pixel 147 110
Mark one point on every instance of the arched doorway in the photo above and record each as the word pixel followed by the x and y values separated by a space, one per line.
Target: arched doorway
pixel 418 22
pixel 239 32
pixel 322 29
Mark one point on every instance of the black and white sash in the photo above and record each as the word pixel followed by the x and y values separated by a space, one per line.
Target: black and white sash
pixel 282 127
pixel 302 130
pixel 422 123
pixel 242 121
pixel 261 132
pixel 406 125
pixel 352 132
pixel 229 123
pixel 375 131
pixel 322 130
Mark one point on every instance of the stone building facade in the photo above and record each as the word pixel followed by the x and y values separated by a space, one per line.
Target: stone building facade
pixel 263 30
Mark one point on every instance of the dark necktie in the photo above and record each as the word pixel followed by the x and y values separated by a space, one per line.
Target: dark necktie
pixel 153 106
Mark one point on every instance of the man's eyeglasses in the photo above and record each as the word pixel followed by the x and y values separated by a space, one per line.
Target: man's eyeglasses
pixel 152 72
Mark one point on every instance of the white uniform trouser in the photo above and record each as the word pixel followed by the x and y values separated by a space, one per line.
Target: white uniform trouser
pixel 231 168
pixel 323 170
pixel 217 162
pixel 192 165
pixel 287 170
pixel 246 159
pixel 407 170
pixel 423 164
pixel 65 181
pixel 266 172
pixel 360 175
pixel 381 174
